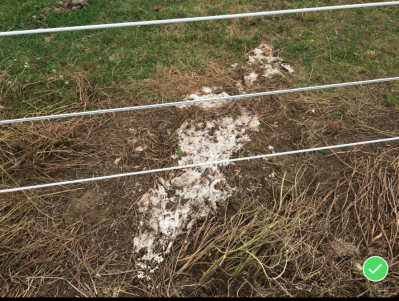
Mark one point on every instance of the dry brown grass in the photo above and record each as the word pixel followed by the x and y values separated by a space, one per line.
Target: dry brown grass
pixel 304 234
pixel 308 242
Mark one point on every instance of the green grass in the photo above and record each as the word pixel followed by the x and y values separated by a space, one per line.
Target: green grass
pixel 328 47
pixel 323 151
pixel 392 100
pixel 138 49
pixel 178 151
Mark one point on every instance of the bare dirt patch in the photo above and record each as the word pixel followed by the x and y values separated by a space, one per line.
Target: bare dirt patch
pixel 66 5
pixel 85 205
pixel 158 8
pixel 63 6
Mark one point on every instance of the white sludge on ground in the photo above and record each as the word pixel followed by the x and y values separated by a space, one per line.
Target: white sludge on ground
pixel 209 95
pixel 264 58
pixel 174 206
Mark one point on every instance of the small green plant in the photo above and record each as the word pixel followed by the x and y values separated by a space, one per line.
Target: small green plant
pixel 324 151
pixel 392 100
pixel 301 46
pixel 345 148
pixel 375 146
pixel 295 160
pixel 178 151
pixel 217 54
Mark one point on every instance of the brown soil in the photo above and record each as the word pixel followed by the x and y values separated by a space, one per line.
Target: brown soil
pixel 66 5
pixel 158 8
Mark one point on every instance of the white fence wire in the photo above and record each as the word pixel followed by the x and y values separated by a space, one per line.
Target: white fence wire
pixel 198 164
pixel 162 105
pixel 101 26
pixel 208 18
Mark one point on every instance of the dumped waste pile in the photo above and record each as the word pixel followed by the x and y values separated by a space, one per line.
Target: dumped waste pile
pixel 175 205
pixel 264 62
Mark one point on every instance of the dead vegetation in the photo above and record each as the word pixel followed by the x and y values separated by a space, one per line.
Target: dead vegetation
pixel 303 232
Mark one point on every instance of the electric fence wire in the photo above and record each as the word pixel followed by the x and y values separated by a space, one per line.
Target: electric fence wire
pixel 162 105
pixel 196 165
pixel 207 18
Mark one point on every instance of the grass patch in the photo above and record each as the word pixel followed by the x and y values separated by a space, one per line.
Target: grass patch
pixel 392 100
pixel 323 151
pixel 328 50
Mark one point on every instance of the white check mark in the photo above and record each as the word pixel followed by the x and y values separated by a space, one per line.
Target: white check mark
pixel 372 272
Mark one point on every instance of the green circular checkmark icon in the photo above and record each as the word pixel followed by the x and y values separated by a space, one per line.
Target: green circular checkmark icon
pixel 375 268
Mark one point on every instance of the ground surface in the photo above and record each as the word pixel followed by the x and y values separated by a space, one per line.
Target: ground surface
pixel 295 225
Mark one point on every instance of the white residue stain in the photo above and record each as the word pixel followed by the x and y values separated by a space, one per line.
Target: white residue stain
pixel 142 275
pixel 140 149
pixel 206 90
pixel 264 58
pixel 287 67
pixel 176 205
pixel 208 104
pixel 250 79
